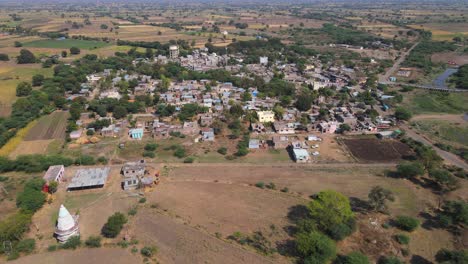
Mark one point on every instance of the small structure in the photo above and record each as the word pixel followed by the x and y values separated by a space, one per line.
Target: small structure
pixel 173 51
pixel 280 142
pixel 76 134
pixel 54 173
pixel 266 116
pixel 89 179
pixel 301 155
pixel 67 225
pixel 263 60
pixel 136 133
pixel 132 172
pixel 254 143
pixel 207 134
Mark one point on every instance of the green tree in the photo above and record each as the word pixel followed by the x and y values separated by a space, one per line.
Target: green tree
pixel 446 256
pixel 4 57
pixel 378 197
pixel 406 223
pixel 75 50
pixel 315 247
pixel 114 225
pixel 390 260
pixel 444 179
pixel 93 242
pixel 403 113
pixel 353 258
pixel 330 208
pixel 23 89
pixel 304 102
pixel 410 169
pixel 25 57
pixel 454 213
pixel 53 186
pixel 37 80
pixel 120 112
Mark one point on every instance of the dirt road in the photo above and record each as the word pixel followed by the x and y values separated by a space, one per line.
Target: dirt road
pixel 447 156
pixel 396 65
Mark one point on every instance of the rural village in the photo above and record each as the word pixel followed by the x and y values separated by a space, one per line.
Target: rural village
pixel 317 141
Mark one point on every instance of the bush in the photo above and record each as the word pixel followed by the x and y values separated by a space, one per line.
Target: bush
pixel 222 151
pixel 151 146
pixel 406 223
pixel 72 243
pixel 85 160
pixel 102 160
pixel 452 256
pixel 353 258
pixel 26 245
pixel 340 231
pixel 180 153
pixel 390 260
pixel 285 189
pixel 189 160
pixel 53 186
pixel 114 225
pixel 31 198
pixel 410 169
pixel 142 200
pixel 93 242
pixel 402 239
pixel 133 211
pixel 23 89
pixel 52 248
pixel 271 186
pixel 75 51
pixel 260 185
pixel 4 57
pixel 148 251
pixel 315 247
pixel 149 154
pixel 25 57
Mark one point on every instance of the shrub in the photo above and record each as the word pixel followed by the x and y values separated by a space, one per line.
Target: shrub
pixel 123 244
pixel 406 223
pixel 353 258
pixel 31 198
pixel 52 248
pixel 151 146
pixel 271 186
pixel 26 245
pixel 285 189
pixel 452 256
pixel 114 225
pixel 222 151
pixel 133 211
pixel 189 160
pixel 315 247
pixel 142 200
pixel 390 260
pixel 4 57
pixel 75 51
pixel 102 160
pixel 260 185
pixel 85 160
pixel 72 243
pixel 402 239
pixel 23 89
pixel 93 242
pixel 149 154
pixel 149 251
pixel 180 153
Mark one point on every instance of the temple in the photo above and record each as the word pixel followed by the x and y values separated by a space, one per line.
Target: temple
pixel 67 225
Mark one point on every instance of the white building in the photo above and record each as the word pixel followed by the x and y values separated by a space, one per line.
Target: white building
pixel 264 60
pixel 266 116
pixel 173 51
pixel 67 225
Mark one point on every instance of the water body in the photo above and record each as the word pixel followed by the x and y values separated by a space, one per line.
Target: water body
pixel 441 80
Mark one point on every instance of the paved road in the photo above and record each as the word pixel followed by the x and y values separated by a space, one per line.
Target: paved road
pixel 447 156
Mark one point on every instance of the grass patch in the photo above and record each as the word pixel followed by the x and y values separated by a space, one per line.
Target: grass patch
pixel 16 140
pixel 443 130
pixel 435 102
pixel 66 44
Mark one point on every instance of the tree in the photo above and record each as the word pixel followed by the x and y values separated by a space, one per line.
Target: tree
pixel 114 225
pixel 444 179
pixel 75 50
pixel 378 197
pixel 353 258
pixel 120 112
pixel 4 57
pixel 406 223
pixel 329 209
pixel 18 44
pixel 454 213
pixel 26 245
pixel 37 80
pixel 53 186
pixel 344 128
pixel 64 53
pixel 390 260
pixel 31 198
pixel 446 256
pixel 93 242
pixel 410 169
pixel 304 101
pixel 23 89
pixel 236 110
pixel 315 247
pixel 25 57
pixel 403 114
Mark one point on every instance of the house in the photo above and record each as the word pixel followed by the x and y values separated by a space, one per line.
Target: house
pixel 280 142
pixel 327 127
pixel 254 143
pixel 54 173
pixel 207 134
pixel 258 128
pixel 301 155
pixel 206 120
pixel 266 116
pixel 136 133
pixel 283 128
pixel 76 134
pixel 190 128
pixel 132 173
pixel 313 138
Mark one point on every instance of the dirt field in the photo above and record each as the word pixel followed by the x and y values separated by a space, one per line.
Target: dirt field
pixel 375 150
pixel 49 127
pixel 444 57
pixel 94 255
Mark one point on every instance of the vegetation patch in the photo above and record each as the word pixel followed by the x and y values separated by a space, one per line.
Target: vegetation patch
pixel 66 44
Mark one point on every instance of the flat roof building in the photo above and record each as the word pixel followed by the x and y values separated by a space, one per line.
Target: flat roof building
pixel 54 173
pixel 89 179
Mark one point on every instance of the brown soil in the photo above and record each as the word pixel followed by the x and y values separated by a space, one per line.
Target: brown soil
pixel 49 127
pixel 375 150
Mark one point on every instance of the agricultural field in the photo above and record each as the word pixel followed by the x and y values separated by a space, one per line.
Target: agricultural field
pixel 12 74
pixel 371 149
pixel 444 31
pixel 66 44
pixel 47 129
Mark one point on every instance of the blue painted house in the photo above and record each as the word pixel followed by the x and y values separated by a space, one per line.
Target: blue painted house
pixel 136 133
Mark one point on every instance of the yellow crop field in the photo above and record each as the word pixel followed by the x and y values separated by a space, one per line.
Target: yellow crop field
pixel 11 145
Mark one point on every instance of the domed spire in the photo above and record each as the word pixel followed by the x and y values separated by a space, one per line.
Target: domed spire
pixel 67 225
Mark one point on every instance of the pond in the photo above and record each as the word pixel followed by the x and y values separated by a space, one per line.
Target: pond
pixel 441 79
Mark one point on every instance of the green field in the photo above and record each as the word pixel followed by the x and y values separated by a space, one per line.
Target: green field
pixel 446 131
pixel 436 102
pixel 66 44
